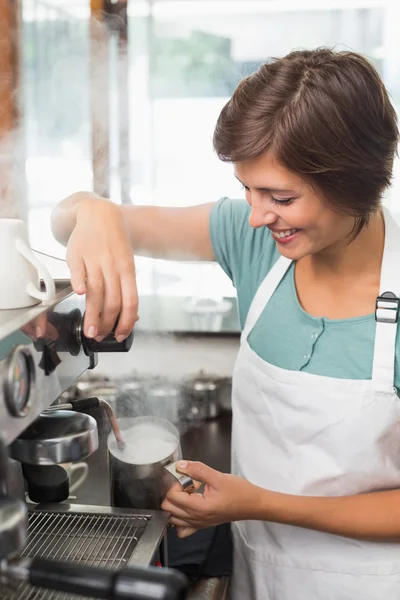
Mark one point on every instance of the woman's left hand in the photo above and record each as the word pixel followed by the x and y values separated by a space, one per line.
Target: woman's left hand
pixel 225 498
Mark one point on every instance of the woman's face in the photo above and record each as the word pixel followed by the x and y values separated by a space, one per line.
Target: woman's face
pixel 300 223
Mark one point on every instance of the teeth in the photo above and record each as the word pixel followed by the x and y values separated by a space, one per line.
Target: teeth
pixel 285 233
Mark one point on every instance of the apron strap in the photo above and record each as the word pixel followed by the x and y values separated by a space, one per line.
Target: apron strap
pixel 387 309
pixel 264 293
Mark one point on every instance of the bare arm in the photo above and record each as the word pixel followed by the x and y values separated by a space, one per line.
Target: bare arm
pixel 226 498
pixel 101 239
pixel 175 233
pixel 364 516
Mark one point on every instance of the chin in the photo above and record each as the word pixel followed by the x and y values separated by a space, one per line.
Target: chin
pixel 292 253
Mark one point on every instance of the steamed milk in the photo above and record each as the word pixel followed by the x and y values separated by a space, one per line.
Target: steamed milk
pixel 145 444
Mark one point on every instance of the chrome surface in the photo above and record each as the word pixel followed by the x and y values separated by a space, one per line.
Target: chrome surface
pixel 17 329
pixel 185 481
pixel 92 535
pixel 17 318
pixel 141 485
pixel 12 526
pixel 57 437
pixel 12 573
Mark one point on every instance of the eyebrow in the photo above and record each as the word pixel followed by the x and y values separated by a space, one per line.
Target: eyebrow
pixel 265 189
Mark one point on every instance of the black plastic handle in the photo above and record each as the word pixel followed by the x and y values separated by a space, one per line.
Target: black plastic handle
pixel 109 344
pixel 85 403
pixel 131 583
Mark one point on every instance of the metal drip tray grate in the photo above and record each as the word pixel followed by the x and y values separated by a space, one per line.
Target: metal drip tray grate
pixel 102 540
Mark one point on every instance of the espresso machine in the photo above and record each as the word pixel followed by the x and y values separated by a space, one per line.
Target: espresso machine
pixel 45 542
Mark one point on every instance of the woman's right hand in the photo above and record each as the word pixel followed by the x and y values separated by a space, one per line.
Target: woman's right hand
pixel 100 258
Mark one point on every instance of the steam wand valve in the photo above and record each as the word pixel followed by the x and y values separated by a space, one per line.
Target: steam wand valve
pixel 84 404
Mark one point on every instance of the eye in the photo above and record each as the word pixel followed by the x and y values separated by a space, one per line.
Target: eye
pixel 282 202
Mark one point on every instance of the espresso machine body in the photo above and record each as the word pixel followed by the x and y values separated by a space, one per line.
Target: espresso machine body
pixel 34 371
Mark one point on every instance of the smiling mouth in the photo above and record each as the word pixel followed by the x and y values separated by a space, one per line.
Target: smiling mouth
pixel 279 235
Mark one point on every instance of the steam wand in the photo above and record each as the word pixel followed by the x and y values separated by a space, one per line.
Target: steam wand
pixel 93 402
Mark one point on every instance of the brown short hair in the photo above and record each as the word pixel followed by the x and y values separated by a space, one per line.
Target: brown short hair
pixel 325 115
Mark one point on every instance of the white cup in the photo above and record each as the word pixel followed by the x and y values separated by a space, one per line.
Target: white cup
pixel 72 470
pixel 20 269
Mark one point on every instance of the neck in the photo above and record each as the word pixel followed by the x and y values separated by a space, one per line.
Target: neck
pixel 363 254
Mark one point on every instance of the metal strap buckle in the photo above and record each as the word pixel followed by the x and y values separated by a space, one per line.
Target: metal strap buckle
pixel 387 308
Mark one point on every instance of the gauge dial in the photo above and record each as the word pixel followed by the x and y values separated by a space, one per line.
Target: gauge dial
pixel 19 381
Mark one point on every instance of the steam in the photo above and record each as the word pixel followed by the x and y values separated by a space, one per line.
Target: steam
pixel 68 89
pixel 152 395
pixel 146 443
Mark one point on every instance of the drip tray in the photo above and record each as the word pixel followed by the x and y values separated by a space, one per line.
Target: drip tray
pixel 92 535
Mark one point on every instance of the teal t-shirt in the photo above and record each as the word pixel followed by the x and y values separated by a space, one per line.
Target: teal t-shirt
pixel 285 335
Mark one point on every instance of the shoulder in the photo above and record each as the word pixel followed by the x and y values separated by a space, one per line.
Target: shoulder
pixel 237 246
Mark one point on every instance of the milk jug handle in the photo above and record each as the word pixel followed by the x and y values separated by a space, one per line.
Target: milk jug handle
pixel 185 481
pixel 44 274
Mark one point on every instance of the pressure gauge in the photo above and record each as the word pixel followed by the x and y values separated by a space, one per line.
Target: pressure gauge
pixel 19 381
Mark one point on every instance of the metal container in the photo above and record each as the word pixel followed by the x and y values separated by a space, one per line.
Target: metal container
pixel 163 399
pixel 143 485
pixel 56 437
pixel 202 401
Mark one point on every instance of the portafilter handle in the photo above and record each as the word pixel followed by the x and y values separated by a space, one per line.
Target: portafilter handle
pixel 130 583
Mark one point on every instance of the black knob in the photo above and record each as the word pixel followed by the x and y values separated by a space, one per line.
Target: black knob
pixel 67 338
pixel 109 344
pixel 50 359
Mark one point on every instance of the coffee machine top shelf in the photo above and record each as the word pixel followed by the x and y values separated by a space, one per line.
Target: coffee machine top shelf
pixel 17 318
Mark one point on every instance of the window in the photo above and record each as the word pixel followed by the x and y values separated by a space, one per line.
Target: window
pixel 184 59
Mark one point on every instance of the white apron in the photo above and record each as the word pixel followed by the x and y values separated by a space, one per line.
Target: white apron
pixel 305 434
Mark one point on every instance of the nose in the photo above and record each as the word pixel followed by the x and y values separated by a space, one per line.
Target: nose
pixel 259 216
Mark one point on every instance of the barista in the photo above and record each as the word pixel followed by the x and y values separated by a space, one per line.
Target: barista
pixel 314 496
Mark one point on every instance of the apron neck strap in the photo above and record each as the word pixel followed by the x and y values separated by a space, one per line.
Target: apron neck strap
pixel 386 314
pixel 387 309
pixel 264 293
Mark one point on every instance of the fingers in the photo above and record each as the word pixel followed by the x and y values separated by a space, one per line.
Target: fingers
pixel 183 529
pixel 177 512
pixel 105 272
pixel 111 295
pixel 112 300
pixel 179 522
pixel 39 328
pixel 129 297
pixel 78 273
pixel 40 325
pixel 94 300
pixel 29 330
pixel 199 472
pixel 184 501
pixel 183 532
